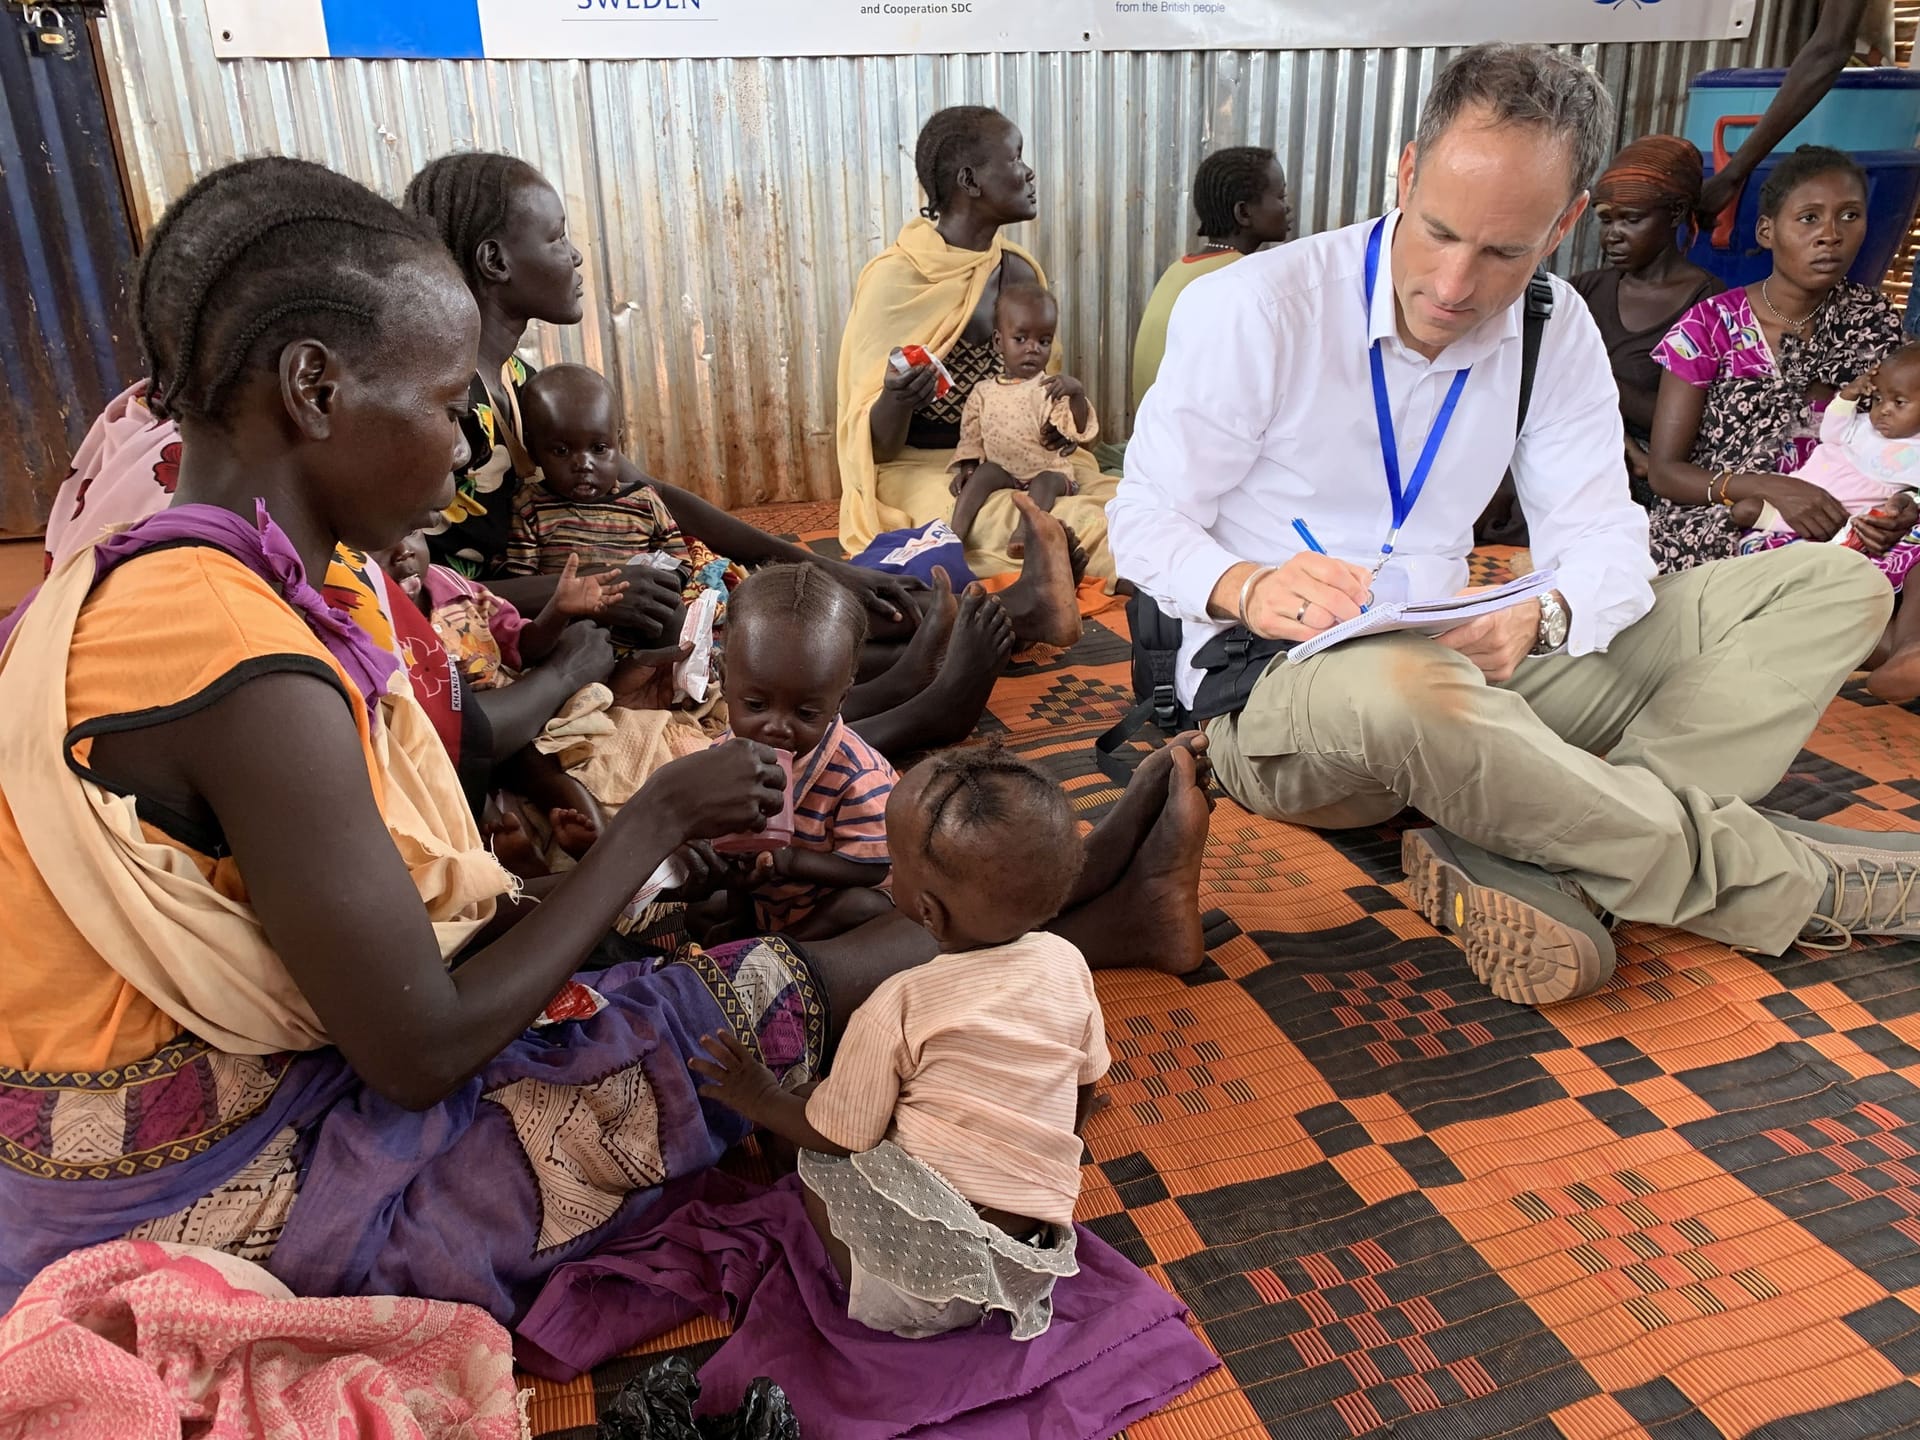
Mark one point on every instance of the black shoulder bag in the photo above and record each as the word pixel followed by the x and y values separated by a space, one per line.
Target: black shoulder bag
pixel 1234 660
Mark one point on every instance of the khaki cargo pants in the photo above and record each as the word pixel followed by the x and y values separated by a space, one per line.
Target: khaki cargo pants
pixel 1699 709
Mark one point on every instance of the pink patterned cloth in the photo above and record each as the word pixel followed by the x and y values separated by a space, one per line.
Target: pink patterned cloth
pixel 135 1340
pixel 125 471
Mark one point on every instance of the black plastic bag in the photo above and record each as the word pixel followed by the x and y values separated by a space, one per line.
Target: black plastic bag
pixel 659 1406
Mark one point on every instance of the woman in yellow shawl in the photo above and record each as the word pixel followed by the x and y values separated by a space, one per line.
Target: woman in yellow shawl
pixel 936 286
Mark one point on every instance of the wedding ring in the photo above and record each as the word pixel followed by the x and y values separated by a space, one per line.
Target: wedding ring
pixel 1300 615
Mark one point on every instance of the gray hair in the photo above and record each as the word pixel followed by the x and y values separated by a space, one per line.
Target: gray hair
pixel 1526 85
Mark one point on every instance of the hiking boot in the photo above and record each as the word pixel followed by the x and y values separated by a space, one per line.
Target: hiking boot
pixel 1532 937
pixel 1873 882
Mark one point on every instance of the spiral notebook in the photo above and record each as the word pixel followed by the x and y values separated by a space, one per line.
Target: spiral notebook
pixel 1430 617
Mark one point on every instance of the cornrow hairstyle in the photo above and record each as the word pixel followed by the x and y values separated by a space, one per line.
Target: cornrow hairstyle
pixel 803 593
pixel 1225 179
pixel 1809 162
pixel 1034 841
pixel 254 256
pixel 464 198
pixel 1021 293
pixel 949 142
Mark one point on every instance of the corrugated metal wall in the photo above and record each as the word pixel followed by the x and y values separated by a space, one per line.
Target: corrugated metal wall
pixel 725 206
pixel 66 260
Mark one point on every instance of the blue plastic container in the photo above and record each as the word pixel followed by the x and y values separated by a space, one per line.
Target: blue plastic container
pixel 1893 194
pixel 1867 109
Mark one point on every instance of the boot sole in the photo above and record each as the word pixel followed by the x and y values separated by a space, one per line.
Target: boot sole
pixel 1522 953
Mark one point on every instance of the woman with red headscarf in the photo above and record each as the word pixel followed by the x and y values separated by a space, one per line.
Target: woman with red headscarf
pixel 1644 203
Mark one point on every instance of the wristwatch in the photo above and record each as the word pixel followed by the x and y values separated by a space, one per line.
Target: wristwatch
pixel 1553 626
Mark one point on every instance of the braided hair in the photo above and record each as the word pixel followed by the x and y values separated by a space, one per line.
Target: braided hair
pixel 1002 815
pixel 1809 162
pixel 1225 179
pixel 464 198
pixel 805 594
pixel 949 142
pixel 254 256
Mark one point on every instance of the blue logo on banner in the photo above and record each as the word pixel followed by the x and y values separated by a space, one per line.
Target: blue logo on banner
pixel 1617 4
pixel 420 29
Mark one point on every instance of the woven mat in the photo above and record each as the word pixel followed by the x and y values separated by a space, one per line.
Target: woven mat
pixel 1686 1208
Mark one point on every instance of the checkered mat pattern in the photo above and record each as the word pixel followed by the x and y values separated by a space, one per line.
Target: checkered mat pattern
pixel 1685 1208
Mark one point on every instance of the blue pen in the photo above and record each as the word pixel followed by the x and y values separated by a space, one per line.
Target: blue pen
pixel 1300 529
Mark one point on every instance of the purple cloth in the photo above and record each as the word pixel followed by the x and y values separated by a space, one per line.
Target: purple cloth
pixel 443 1202
pixel 1117 1351
pixel 263 547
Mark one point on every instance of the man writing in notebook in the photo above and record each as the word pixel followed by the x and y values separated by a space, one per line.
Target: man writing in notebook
pixel 1365 383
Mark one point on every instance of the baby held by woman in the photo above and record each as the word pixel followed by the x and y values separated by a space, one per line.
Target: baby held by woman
pixel 941 1157
pixel 1865 460
pixel 1019 426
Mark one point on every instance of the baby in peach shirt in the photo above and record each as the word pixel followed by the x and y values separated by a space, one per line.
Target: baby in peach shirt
pixel 941 1157
pixel 1020 425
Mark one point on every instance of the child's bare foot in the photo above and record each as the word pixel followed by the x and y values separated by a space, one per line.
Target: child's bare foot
pixel 1897 679
pixel 1047 488
pixel 919 663
pixel 1042 602
pixel 1151 919
pixel 513 847
pixel 573 831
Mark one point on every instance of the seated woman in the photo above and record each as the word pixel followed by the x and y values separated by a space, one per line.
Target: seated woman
pixel 255 951
pixel 1240 195
pixel 1644 203
pixel 507 229
pixel 936 287
pixel 1750 373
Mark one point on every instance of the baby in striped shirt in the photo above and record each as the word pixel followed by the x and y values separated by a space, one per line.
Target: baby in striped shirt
pixel 940 1158
pixel 579 511
pixel 793 642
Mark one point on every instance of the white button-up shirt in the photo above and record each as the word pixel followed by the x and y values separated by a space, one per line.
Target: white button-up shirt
pixel 1264 414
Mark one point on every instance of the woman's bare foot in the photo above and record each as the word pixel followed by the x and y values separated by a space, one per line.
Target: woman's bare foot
pixel 945 712
pixel 513 847
pixel 1151 919
pixel 573 831
pixel 1112 844
pixel 1077 553
pixel 1042 602
pixel 1897 679
pixel 919 664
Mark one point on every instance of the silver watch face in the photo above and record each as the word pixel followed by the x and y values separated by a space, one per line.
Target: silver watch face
pixel 1553 624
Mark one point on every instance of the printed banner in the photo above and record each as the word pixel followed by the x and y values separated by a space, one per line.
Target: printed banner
pixel 670 29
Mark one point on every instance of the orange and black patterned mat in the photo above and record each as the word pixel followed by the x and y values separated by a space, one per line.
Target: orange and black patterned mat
pixel 1685 1208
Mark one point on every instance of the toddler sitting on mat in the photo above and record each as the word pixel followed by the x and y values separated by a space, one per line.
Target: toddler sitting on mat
pixel 793 642
pixel 1020 425
pixel 941 1157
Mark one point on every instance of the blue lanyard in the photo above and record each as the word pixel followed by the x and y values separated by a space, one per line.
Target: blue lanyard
pixel 1403 500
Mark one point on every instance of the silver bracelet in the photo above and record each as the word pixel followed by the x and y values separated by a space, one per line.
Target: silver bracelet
pixel 1246 590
